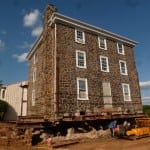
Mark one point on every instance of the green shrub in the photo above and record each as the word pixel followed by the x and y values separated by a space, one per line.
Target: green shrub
pixel 3 109
pixel 146 109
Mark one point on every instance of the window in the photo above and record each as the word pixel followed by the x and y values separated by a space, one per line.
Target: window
pixel 104 64
pixel 33 97
pixel 82 89
pixel 123 67
pixel 79 36
pixel 80 59
pixel 3 94
pixel 120 48
pixel 102 43
pixel 34 74
pixel 35 57
pixel 126 92
pixel 107 95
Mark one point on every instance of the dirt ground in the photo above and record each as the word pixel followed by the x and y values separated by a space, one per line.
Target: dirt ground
pixel 96 144
pixel 113 144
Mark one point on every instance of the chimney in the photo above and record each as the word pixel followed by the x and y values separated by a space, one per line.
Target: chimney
pixel 50 9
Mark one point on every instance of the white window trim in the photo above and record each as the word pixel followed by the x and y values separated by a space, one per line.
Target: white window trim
pixel 126 71
pixel 34 74
pixel 123 53
pixel 35 58
pixel 125 84
pixel 33 97
pixel 84 53
pixel 86 84
pixel 82 41
pixel 105 43
pixel 106 62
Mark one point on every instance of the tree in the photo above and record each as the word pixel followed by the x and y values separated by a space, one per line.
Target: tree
pixel 3 105
pixel 3 109
pixel 1 83
pixel 146 109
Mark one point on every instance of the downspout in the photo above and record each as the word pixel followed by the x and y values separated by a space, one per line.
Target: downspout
pixel 55 90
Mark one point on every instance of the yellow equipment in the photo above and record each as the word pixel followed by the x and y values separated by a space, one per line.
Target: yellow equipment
pixel 142 127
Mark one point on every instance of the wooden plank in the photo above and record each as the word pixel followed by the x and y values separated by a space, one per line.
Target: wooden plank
pixel 64 143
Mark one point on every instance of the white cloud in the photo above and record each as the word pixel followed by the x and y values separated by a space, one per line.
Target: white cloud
pixel 3 32
pixel 34 20
pixel 37 31
pixel 145 98
pixel 21 58
pixel 25 44
pixel 2 44
pixel 31 18
pixel 145 84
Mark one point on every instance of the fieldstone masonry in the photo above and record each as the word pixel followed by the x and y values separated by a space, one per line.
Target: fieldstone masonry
pixel 56 83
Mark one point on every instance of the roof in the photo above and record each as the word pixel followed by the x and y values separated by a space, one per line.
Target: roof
pixel 21 83
pixel 77 23
pixel 57 17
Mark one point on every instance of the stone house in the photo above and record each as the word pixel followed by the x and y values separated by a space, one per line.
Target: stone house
pixel 80 69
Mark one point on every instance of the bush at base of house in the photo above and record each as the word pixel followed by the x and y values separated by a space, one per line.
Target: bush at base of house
pixel 3 109
pixel 146 109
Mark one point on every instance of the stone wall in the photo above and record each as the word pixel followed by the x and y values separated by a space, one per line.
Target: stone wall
pixel 44 84
pixel 68 73
pixel 56 84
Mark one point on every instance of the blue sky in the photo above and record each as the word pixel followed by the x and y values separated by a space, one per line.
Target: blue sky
pixel 21 24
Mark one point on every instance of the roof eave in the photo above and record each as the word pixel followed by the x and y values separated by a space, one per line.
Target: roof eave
pixel 34 46
pixel 59 17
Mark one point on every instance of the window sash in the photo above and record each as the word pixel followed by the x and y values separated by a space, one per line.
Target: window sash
pixel 102 43
pixel 79 36
pixel 126 92
pixel 123 67
pixel 104 64
pixel 80 59
pixel 120 48
pixel 82 89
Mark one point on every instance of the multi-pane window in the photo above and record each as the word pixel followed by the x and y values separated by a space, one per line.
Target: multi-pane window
pixel 82 89
pixel 123 67
pixel 34 74
pixel 120 48
pixel 107 98
pixel 79 36
pixel 102 43
pixel 126 92
pixel 80 59
pixel 33 97
pixel 104 64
